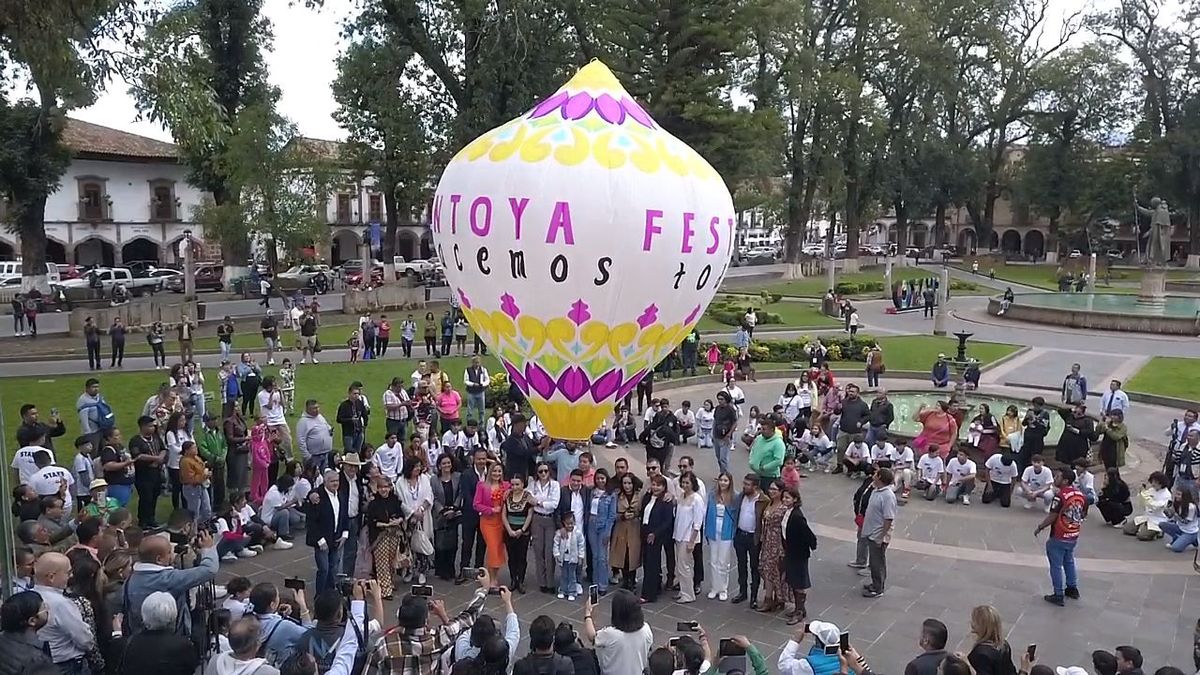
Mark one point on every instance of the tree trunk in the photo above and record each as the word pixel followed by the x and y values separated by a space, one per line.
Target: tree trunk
pixel 939 222
pixel 31 226
pixel 901 209
pixel 389 242
pixel 1052 232
pixel 235 246
pixel 794 235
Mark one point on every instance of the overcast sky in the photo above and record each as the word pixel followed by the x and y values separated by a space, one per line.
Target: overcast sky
pixel 302 66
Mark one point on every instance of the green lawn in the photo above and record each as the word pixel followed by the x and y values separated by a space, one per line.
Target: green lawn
pixel 815 287
pixel 1168 376
pixel 127 391
pixel 918 352
pixel 793 314
pixel 1044 276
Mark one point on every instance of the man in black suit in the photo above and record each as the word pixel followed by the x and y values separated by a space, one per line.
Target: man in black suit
pixel 519 450
pixel 352 490
pixel 576 498
pixel 658 520
pixel 327 529
pixel 472 538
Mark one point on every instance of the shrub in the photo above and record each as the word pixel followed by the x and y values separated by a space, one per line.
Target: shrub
pixel 731 314
pixel 789 351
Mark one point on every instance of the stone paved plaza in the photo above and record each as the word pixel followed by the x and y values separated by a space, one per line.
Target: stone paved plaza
pixel 944 560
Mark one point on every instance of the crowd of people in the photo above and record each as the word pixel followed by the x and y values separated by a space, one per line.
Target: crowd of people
pixel 470 494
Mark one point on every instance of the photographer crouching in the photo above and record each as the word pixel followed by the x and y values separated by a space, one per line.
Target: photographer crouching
pixel 156 570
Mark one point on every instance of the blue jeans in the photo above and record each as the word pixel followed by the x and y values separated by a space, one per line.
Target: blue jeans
pixel 234 546
pixel 284 520
pixel 1180 540
pixel 599 548
pixel 1061 554
pixel 327 565
pixel 352 443
pixel 873 433
pixel 476 407
pixel 226 347
pixel 77 667
pixel 566 581
pixel 196 498
pixel 121 493
pixel 721 449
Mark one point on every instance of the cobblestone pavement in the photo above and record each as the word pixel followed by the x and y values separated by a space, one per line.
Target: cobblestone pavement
pixel 943 561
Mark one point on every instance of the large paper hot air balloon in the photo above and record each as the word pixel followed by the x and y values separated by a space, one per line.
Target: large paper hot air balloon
pixel 584 243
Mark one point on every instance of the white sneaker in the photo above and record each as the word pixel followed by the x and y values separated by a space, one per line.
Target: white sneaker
pixel 421 579
pixel 1027 505
pixel 246 553
pixel 712 594
pixel 256 548
pixel 561 596
pixel 578 589
pixel 281 545
pixel 315 360
pixel 270 362
pixel 723 596
pixel 966 500
pixel 229 557
pixel 303 360
pixel 1166 544
pixel 571 598
pixel 219 592
pixel 610 445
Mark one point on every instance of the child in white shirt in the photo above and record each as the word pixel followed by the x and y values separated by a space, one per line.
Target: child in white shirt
pixel 929 473
pixel 569 553
pixel 902 468
pixel 704 425
pixel 858 457
pixel 818 446
pixel 959 479
pixel 1001 471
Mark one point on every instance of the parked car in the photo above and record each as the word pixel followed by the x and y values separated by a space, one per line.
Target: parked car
pixel 414 267
pixel 107 277
pixel 208 276
pixel 354 275
pixel 12 268
pixel 1075 253
pixel 317 277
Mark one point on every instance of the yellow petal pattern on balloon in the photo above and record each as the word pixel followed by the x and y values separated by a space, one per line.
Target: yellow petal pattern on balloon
pixel 583 242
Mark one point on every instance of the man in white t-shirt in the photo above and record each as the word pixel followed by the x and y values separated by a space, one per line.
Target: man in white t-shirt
pixel 687 422
pixel 1001 471
pixel 278 511
pixel 930 468
pixel 389 457
pixel 23 459
pixel 49 479
pixel 270 404
pixel 902 467
pixel 958 481
pixel 858 457
pixel 818 446
pixel 881 449
pixel 1037 482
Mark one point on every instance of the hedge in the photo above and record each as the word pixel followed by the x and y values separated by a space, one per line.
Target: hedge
pixel 866 287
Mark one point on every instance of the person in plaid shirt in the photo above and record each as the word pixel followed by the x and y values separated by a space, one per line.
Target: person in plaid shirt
pixel 412 647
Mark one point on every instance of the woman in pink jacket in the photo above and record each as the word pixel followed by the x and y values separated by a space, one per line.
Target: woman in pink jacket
pixel 260 459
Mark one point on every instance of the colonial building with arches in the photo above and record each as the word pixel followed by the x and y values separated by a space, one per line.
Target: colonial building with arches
pixel 354 204
pixel 124 197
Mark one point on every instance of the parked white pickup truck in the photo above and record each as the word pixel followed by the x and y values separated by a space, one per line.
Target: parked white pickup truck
pixel 415 267
pixel 107 277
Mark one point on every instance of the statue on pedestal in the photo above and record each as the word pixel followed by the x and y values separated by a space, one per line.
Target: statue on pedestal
pixel 1158 247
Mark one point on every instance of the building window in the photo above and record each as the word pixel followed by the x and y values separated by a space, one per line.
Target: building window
pixel 343 208
pixel 375 208
pixel 162 201
pixel 93 202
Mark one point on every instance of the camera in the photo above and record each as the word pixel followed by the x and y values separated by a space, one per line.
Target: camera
pixel 687 626
pixel 422 591
pixel 345 585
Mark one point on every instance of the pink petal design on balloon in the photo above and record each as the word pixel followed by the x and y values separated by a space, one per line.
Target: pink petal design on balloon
pixel 516 377
pixel 692 316
pixel 648 317
pixel 577 106
pixel 509 306
pixel 579 312
pixel 606 385
pixel 573 383
pixel 629 385
pixel 539 380
pixel 549 105
pixel 637 113
pixel 609 109
pixel 466 302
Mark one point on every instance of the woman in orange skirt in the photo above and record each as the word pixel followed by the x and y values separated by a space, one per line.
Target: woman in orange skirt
pixel 489 504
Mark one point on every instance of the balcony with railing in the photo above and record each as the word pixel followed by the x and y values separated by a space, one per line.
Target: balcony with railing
pixel 165 210
pixel 95 210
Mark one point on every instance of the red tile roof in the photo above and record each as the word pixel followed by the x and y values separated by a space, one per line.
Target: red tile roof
pixel 87 139
pixel 320 148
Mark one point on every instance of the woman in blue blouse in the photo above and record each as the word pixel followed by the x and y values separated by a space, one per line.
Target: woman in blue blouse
pixel 603 505
pixel 720 521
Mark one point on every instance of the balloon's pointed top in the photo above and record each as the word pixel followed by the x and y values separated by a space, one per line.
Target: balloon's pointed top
pixel 595 77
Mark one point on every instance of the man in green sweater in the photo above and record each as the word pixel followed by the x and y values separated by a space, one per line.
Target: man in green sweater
pixel 213 449
pixel 767 451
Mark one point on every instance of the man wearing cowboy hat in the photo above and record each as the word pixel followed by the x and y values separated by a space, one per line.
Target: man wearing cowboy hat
pixel 353 493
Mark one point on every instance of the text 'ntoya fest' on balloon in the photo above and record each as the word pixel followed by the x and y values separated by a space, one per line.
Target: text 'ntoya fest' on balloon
pixel 481 216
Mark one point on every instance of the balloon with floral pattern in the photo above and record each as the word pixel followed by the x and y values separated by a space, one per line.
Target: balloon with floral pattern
pixel 583 243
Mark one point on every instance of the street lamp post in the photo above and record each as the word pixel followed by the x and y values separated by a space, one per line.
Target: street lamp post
pixel 189 268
